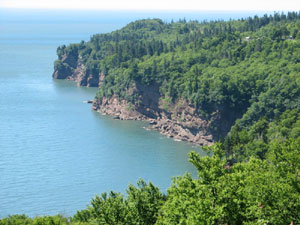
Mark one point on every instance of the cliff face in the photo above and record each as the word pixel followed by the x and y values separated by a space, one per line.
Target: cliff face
pixel 184 125
pixel 176 120
pixel 180 121
pixel 71 67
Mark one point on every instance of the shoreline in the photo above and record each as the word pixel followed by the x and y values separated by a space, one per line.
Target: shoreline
pixel 172 127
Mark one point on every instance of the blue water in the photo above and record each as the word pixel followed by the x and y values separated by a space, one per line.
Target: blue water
pixel 55 153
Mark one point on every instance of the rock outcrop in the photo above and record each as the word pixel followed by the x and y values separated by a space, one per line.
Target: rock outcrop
pixel 180 121
pixel 70 67
pixel 119 109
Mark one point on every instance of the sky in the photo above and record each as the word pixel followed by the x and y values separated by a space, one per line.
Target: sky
pixel 196 5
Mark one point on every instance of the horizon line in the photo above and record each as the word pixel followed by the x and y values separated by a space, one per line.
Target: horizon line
pixel 151 10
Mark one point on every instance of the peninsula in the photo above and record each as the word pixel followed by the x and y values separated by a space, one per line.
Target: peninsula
pixel 192 80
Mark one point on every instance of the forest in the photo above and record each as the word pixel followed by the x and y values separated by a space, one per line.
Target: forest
pixel 238 71
pixel 248 69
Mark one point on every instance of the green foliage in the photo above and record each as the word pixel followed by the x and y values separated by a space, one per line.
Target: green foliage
pixel 140 207
pixel 16 220
pixel 242 143
pixel 255 192
pixel 43 220
pixel 144 203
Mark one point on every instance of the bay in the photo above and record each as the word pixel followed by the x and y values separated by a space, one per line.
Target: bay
pixel 55 153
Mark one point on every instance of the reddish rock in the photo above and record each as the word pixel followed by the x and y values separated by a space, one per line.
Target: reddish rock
pixel 182 125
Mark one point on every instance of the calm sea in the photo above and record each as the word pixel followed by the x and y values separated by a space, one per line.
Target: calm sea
pixel 55 153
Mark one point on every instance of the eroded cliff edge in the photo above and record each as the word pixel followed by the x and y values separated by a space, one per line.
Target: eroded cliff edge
pixel 70 66
pixel 179 123
pixel 179 120
pixel 143 75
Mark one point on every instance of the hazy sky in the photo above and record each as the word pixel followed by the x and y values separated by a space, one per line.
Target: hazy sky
pixel 265 5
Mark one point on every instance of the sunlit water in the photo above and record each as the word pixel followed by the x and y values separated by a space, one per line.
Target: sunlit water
pixel 55 153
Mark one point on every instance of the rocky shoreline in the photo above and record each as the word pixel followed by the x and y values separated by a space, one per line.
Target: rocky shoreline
pixel 184 126
pixel 176 120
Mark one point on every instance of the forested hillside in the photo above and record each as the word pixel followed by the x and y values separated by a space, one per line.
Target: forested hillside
pixel 209 72
pixel 236 82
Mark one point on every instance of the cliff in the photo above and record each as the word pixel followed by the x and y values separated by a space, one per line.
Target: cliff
pixel 193 81
pixel 180 121
pixel 182 124
pixel 71 67
pixel 132 97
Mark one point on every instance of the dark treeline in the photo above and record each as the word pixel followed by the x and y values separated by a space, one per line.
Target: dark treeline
pixel 248 69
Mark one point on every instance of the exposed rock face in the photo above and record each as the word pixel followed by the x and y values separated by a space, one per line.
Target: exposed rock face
pixel 185 125
pixel 120 109
pixel 195 130
pixel 70 67
pixel 180 123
